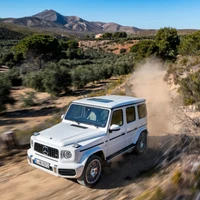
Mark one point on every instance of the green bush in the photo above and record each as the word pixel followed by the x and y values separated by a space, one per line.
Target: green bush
pixel 54 79
pixel 34 80
pixel 14 76
pixel 144 49
pixel 190 44
pixel 190 88
pixel 167 41
pixel 28 99
pixel 115 35
pixel 5 92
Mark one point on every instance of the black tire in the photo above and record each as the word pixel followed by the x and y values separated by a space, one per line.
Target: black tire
pixel 141 144
pixel 91 172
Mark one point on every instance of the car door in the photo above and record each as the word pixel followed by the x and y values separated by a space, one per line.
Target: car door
pixel 116 139
pixel 131 124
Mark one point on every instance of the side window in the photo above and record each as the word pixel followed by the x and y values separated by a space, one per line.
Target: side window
pixel 142 111
pixel 117 117
pixel 130 114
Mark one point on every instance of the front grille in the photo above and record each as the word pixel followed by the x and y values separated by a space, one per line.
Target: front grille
pixel 67 172
pixel 46 150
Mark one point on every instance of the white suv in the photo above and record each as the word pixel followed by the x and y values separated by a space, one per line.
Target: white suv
pixel 93 130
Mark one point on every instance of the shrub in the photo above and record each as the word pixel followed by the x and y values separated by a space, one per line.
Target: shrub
pixel 28 99
pixel 5 92
pixel 167 41
pixel 144 49
pixel 190 88
pixel 184 61
pixel 14 76
pixel 190 44
pixel 122 50
pixel 56 79
pixel 34 80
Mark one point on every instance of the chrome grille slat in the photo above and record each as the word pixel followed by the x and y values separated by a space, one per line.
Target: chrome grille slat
pixel 52 152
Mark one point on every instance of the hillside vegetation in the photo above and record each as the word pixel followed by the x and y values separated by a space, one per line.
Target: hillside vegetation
pixel 57 65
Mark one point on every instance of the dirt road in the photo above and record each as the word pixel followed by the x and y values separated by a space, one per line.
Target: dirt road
pixel 148 82
pixel 121 179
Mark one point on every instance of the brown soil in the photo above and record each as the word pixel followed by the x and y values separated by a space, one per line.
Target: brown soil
pixel 120 179
pixel 107 45
pixel 19 117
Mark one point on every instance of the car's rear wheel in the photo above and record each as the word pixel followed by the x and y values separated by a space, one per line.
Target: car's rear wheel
pixel 91 172
pixel 141 144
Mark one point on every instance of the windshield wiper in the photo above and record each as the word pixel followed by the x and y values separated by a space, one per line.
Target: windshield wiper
pixel 74 121
pixel 93 125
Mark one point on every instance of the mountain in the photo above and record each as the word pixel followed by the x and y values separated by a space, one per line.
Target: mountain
pixel 32 22
pixel 51 19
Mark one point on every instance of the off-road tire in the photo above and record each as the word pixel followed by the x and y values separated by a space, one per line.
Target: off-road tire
pixel 141 144
pixel 89 176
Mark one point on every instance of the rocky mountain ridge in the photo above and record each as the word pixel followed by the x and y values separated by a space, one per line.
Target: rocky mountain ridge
pixel 52 19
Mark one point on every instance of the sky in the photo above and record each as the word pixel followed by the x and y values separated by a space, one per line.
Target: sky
pixel 145 14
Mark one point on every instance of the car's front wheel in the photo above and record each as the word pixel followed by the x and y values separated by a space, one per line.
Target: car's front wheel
pixel 91 172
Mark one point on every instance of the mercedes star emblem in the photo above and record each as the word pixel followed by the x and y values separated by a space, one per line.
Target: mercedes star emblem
pixel 45 150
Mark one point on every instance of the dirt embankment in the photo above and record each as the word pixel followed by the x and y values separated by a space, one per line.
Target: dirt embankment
pixel 121 179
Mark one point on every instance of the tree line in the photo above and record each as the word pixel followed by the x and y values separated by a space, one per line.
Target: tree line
pixel 167 45
pixel 45 63
pixel 54 65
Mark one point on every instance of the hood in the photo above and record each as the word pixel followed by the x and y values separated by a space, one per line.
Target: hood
pixel 64 134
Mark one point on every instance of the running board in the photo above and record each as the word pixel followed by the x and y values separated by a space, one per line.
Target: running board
pixel 118 153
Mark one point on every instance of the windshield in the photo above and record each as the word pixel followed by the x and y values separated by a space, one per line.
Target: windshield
pixel 88 115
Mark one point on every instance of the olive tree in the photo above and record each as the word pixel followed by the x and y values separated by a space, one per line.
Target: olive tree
pixel 38 48
pixel 5 92
pixel 167 41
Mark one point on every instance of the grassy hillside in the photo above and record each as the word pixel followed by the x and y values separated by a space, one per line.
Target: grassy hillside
pixel 6 34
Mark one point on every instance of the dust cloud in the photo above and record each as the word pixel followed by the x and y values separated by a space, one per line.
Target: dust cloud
pixel 148 82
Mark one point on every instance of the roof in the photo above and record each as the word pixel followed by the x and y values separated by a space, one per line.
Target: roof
pixel 110 101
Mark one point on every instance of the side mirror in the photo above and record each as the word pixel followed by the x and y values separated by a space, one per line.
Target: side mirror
pixel 62 116
pixel 114 127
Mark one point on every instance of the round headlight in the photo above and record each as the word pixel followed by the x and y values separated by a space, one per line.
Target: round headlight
pixel 66 154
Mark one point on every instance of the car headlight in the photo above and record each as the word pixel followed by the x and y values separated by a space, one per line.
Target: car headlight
pixel 66 154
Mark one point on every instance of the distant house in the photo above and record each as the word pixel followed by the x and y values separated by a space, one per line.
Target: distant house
pixel 98 35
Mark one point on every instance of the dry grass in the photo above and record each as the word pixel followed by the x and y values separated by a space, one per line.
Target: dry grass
pixel 153 194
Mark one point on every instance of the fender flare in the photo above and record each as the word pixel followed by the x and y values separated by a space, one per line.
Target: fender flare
pixel 138 132
pixel 89 153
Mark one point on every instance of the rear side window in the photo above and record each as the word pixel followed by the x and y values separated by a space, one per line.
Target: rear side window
pixel 117 118
pixel 130 114
pixel 142 111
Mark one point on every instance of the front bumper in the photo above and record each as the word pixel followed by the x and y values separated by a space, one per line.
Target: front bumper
pixel 65 170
